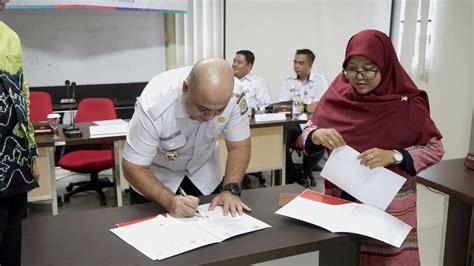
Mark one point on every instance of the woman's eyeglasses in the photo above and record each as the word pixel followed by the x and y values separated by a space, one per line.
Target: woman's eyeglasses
pixel 367 74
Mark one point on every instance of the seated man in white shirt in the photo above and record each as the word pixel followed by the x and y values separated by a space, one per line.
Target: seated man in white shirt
pixel 309 86
pixel 255 91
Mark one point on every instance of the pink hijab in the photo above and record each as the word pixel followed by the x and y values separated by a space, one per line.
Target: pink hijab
pixel 395 115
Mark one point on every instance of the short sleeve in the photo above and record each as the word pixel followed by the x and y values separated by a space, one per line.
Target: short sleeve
pixel 262 93
pixel 285 94
pixel 142 138
pixel 238 126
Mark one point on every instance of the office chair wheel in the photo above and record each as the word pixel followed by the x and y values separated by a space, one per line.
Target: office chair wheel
pixel 66 198
pixel 312 181
pixel 69 188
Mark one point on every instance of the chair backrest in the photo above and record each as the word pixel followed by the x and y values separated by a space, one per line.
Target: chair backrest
pixel 40 106
pixel 93 109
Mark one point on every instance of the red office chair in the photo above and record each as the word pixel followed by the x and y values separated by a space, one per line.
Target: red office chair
pixel 90 161
pixel 40 106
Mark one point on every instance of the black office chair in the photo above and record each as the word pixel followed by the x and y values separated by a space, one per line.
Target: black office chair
pixel 303 173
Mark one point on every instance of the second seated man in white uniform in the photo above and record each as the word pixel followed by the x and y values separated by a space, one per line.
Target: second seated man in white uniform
pixel 307 83
pixel 255 91
pixel 172 139
pixel 310 87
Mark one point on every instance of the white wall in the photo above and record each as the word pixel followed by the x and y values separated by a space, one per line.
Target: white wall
pixel 89 46
pixel 274 29
pixel 450 86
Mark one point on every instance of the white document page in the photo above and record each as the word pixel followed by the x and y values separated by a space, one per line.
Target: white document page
pixel 111 122
pixel 313 212
pixel 376 187
pixel 163 237
pixel 270 117
pixel 223 227
pixel 350 218
pixel 108 130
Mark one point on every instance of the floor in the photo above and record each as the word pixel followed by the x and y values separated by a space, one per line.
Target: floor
pixel 430 211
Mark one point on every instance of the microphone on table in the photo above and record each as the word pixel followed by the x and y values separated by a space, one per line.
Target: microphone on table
pixel 71 131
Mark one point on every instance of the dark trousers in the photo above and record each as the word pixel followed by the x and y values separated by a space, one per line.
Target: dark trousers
pixel 292 132
pixel 186 184
pixel 12 211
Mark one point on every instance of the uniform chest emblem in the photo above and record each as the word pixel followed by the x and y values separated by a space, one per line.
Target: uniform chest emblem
pixel 221 119
pixel 242 104
pixel 171 155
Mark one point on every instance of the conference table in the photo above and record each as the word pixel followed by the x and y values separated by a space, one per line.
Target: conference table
pixel 46 162
pixel 452 178
pixel 83 238
pixel 268 154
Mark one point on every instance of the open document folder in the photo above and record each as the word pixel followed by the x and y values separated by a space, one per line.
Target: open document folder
pixel 340 216
pixel 376 187
pixel 164 236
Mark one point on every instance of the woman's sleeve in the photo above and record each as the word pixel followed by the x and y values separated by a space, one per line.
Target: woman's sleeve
pixel 31 131
pixel 426 155
pixel 305 140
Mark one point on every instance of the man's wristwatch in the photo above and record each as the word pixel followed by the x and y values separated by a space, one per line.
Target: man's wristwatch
pixel 397 157
pixel 233 188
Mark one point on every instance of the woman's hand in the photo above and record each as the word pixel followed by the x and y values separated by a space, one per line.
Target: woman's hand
pixel 328 137
pixel 376 157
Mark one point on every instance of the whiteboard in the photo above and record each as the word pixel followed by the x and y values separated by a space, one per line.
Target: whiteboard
pixel 274 29
pixel 89 46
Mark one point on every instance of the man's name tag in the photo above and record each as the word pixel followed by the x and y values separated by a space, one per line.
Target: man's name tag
pixel 270 117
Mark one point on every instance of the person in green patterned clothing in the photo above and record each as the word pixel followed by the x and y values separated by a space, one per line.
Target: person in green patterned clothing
pixel 18 170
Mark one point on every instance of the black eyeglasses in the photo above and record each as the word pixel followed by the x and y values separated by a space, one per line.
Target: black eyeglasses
pixel 367 74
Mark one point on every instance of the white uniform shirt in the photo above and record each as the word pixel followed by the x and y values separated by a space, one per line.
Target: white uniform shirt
pixel 311 90
pixel 256 93
pixel 161 125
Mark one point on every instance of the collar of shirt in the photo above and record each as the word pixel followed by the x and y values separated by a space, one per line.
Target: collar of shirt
pixel 247 77
pixel 312 77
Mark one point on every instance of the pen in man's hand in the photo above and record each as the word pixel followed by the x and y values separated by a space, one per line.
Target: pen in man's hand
pixel 183 193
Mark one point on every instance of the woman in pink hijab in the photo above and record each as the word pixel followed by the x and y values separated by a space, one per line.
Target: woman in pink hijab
pixel 375 107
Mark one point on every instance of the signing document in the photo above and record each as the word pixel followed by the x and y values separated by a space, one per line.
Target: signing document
pixel 165 236
pixel 340 216
pixel 376 187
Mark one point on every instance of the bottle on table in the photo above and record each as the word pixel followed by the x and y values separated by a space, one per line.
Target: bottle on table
pixel 297 104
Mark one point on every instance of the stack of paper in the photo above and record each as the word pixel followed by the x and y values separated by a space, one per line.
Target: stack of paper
pixel 164 236
pixel 337 215
pixel 108 128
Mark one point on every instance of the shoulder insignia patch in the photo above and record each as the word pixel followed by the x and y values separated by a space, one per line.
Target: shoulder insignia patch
pixel 242 102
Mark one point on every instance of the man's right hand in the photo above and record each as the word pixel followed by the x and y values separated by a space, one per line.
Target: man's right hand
pixel 181 206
